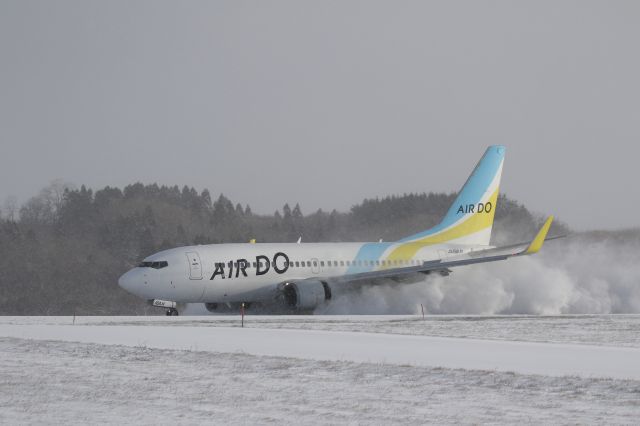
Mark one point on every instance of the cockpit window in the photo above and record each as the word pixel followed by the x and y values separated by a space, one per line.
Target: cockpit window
pixel 155 265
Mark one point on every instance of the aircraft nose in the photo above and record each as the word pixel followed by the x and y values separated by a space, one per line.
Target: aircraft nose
pixel 128 281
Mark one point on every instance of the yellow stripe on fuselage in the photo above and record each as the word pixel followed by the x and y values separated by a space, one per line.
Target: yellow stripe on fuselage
pixel 473 223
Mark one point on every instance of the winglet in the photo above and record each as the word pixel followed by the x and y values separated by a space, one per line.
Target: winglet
pixel 537 242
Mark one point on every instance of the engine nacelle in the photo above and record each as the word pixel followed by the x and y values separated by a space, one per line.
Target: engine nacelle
pixel 306 294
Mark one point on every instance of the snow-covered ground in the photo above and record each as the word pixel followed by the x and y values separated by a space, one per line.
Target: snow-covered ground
pixel 371 370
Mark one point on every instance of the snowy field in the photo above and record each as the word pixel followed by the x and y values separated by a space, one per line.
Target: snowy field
pixel 611 330
pixel 319 370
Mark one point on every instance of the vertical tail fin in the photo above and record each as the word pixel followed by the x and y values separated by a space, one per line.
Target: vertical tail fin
pixel 470 217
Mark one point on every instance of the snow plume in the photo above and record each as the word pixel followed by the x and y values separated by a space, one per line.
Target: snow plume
pixel 590 273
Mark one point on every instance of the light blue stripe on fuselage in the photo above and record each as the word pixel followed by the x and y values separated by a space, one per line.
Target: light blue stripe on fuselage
pixel 368 252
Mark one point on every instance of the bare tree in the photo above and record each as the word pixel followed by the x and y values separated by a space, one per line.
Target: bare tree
pixel 53 194
pixel 10 208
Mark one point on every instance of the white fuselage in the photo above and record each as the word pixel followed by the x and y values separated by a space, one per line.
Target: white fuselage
pixel 220 273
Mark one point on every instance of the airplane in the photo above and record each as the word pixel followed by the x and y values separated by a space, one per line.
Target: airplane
pixel 302 276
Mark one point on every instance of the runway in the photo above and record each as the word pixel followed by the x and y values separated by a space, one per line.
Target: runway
pixel 551 359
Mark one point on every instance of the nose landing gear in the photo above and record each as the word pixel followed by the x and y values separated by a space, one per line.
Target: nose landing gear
pixel 170 306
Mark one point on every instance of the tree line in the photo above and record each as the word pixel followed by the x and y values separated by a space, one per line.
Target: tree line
pixel 64 249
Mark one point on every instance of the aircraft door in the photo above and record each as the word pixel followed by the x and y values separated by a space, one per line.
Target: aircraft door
pixel 315 266
pixel 195 267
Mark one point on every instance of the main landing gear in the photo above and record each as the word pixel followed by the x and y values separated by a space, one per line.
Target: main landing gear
pixel 172 312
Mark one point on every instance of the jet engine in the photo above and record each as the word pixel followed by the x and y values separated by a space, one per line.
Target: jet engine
pixel 306 294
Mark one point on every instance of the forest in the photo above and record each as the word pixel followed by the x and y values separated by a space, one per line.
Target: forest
pixel 62 251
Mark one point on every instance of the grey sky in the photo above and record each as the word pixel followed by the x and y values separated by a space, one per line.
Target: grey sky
pixel 325 103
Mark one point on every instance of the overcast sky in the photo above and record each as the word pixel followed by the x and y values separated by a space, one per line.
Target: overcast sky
pixel 328 102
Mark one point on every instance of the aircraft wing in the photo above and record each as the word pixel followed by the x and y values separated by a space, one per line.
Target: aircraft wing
pixel 442 266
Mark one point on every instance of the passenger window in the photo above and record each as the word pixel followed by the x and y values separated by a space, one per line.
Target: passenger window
pixel 322 263
pixel 297 263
